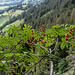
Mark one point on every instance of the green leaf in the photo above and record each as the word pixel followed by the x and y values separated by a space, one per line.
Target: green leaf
pixel 1 51
pixel 1 64
pixel 17 54
pixel 63 39
pixel 74 54
pixel 25 25
pixel 62 45
pixel 72 26
pixel 8 55
pixel 67 45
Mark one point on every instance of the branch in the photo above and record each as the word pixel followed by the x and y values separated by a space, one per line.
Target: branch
pixel 12 49
pixel 15 46
pixel 38 61
pixel 42 46
pixel 51 71
pixel 51 67
pixel 42 71
pixel 55 46
pixel 43 55
pixel 37 45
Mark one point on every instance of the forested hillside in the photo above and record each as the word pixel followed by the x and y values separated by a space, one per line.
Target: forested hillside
pixel 48 13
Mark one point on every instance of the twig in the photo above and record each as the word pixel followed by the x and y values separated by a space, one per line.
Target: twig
pixel 43 55
pixel 35 64
pixel 42 71
pixel 55 46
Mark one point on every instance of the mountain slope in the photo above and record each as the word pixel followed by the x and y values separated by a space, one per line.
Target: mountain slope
pixel 48 13
pixel 5 4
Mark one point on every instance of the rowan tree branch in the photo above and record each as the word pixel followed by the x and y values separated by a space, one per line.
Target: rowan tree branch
pixel 12 49
pixel 40 46
pixel 51 71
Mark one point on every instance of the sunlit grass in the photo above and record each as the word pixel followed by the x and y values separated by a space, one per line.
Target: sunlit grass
pixel 16 23
pixel 3 7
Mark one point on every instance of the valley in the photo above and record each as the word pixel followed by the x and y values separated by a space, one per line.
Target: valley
pixel 6 16
pixel 10 9
pixel 5 4
pixel 13 8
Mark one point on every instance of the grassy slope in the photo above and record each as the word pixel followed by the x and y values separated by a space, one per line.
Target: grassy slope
pixel 3 7
pixel 3 19
pixel 17 23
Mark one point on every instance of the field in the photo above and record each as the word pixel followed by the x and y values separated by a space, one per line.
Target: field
pixel 24 6
pixel 3 20
pixel 9 2
pixel 17 23
pixel 12 13
pixel 17 12
pixel 3 7
pixel 6 2
pixel 6 15
pixel 6 18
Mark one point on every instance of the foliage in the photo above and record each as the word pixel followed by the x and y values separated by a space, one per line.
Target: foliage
pixel 21 50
